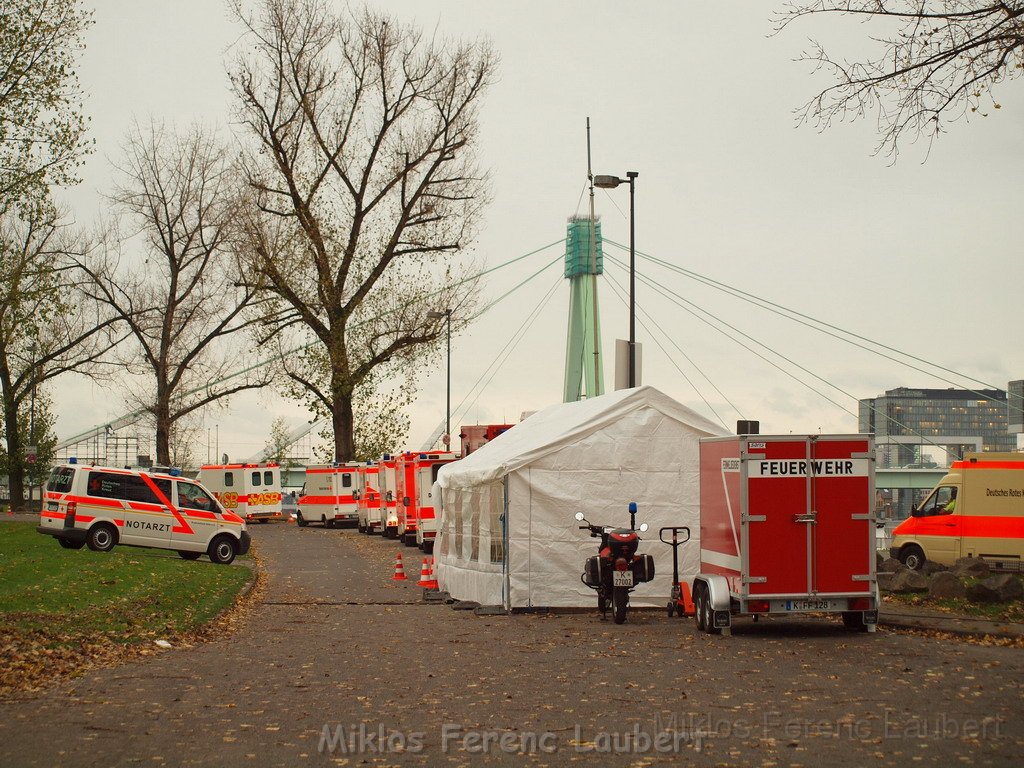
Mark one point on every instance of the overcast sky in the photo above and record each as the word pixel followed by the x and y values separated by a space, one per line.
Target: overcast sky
pixel 699 99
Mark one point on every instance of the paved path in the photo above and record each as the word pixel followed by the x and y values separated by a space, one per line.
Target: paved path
pixel 337 644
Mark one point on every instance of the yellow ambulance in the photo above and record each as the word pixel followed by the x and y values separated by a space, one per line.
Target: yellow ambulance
pixel 977 510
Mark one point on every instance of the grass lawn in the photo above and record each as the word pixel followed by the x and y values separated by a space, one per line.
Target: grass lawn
pixel 62 597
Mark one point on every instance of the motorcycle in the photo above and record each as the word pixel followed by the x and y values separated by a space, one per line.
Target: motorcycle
pixel 617 568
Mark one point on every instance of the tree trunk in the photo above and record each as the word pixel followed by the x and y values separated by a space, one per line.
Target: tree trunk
pixel 344 428
pixel 15 463
pixel 163 433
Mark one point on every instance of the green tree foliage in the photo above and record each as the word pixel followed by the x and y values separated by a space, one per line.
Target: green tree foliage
pixel 48 325
pixel 931 62
pixel 364 185
pixel 42 127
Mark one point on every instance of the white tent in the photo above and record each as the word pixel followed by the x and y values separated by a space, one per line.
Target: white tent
pixel 507 535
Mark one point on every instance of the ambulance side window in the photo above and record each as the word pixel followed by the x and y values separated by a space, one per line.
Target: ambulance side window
pixel 942 502
pixel 346 480
pixel 255 479
pixel 229 479
pixel 135 489
pixel 268 478
pixel 191 496
pixel 105 485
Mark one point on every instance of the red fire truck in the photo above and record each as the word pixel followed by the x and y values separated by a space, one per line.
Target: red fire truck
pixel 786 527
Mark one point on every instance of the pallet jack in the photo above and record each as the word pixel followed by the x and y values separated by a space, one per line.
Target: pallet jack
pixel 682 600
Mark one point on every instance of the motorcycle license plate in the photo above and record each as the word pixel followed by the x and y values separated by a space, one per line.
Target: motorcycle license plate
pixel 622 578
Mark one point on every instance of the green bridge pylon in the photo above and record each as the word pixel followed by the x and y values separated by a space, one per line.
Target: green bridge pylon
pixel 584 261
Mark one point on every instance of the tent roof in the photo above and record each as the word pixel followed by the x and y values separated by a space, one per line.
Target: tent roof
pixel 563 424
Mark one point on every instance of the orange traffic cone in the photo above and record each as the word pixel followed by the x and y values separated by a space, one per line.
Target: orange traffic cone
pixel 687 599
pixel 431 583
pixel 424 573
pixel 399 569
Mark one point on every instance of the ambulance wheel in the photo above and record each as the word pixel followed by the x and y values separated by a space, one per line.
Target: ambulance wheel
pixel 71 544
pixel 912 556
pixel 300 520
pixel 409 540
pixel 101 538
pixel 189 555
pixel 428 547
pixel 620 599
pixel 327 523
pixel 263 520
pixel 222 550
pixel 698 607
pixel 854 620
pixel 360 528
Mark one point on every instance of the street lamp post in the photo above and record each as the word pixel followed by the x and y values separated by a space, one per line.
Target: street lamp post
pixel 610 182
pixel 447 314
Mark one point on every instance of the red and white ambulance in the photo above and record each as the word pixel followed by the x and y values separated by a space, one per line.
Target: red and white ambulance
pixel 329 495
pixel 388 480
pixel 417 516
pixel 369 500
pixel 786 527
pixel 101 507
pixel 252 491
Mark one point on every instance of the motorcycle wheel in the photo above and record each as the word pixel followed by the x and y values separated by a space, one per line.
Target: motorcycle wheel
pixel 620 599
pixel 602 604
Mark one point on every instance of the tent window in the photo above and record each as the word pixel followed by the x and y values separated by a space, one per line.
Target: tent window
pixel 494 523
pixel 474 530
pixel 457 524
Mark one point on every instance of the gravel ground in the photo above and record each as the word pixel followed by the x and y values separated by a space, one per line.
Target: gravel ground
pixel 339 665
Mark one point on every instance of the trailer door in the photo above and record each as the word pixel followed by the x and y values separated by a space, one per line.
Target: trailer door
pixel 843 530
pixel 777 541
pixel 808 522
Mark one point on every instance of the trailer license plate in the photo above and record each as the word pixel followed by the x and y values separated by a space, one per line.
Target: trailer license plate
pixel 622 578
pixel 811 605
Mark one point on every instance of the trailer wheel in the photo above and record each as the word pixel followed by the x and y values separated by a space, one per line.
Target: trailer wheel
pixel 300 520
pixel 709 616
pixel 620 599
pixel 912 556
pixel 698 606
pixel 855 620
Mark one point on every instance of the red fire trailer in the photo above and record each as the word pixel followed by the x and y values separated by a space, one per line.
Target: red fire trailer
pixel 787 527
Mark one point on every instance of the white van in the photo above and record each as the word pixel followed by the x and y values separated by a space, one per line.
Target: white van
pixel 103 506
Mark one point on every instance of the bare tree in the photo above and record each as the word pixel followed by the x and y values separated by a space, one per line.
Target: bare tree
pixel 935 61
pixel 185 306
pixel 364 185
pixel 42 128
pixel 48 324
